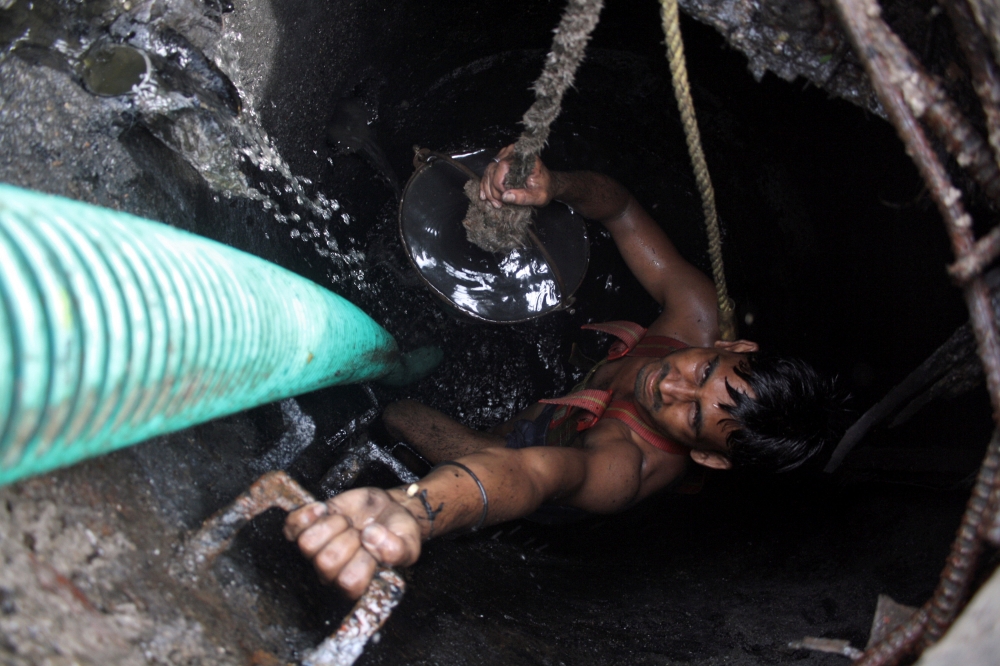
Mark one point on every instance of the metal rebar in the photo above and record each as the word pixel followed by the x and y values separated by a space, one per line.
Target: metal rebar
pixel 896 82
pixel 369 614
pixel 953 585
pixel 985 74
pixel 278 490
pixel 274 489
pixel 975 261
pixel 926 100
pixel 897 644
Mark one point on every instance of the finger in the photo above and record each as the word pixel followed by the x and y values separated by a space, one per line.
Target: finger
pixel 405 526
pixel 486 182
pixel 390 544
pixel 361 504
pixel 321 533
pixel 336 553
pixel 491 186
pixel 357 573
pixel 519 197
pixel 499 182
pixel 300 519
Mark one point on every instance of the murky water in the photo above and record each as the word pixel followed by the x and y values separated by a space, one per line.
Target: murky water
pixel 349 132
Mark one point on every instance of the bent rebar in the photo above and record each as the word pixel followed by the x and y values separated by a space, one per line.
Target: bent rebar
pixel 278 490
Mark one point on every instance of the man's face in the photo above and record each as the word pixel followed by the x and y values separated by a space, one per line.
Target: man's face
pixel 683 394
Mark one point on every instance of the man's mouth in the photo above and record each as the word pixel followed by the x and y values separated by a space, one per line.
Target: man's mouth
pixel 653 378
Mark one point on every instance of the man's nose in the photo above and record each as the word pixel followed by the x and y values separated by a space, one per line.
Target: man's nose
pixel 677 389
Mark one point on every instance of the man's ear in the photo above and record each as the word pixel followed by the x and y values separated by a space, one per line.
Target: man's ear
pixel 738 346
pixel 711 459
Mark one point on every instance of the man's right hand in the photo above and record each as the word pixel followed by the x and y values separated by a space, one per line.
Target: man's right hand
pixel 537 191
pixel 347 536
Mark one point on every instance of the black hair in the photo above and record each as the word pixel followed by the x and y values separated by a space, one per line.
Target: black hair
pixel 794 414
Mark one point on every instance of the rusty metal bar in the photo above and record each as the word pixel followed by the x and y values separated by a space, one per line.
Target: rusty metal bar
pixel 953 586
pixel 273 490
pixel 368 616
pixel 991 525
pixel 985 74
pixel 899 643
pixel 891 70
pixel 975 261
pixel 871 39
pixel 989 529
pixel 927 100
pixel 278 490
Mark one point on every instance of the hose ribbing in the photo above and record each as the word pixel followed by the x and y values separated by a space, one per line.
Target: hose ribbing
pixel 114 329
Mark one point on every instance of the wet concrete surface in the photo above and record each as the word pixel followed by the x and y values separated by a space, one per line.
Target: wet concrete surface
pixel 832 253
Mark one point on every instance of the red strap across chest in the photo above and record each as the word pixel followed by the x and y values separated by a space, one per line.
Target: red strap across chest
pixel 632 341
pixel 594 401
pixel 628 333
pixel 624 411
pixel 656 346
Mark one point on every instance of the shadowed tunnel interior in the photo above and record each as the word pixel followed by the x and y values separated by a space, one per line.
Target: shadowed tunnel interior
pixel 833 253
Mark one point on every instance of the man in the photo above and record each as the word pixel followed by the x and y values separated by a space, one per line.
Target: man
pixel 666 398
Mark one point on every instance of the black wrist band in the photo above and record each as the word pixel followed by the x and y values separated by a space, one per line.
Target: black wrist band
pixel 482 489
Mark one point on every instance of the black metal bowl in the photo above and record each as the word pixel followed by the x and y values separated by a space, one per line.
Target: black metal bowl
pixel 518 286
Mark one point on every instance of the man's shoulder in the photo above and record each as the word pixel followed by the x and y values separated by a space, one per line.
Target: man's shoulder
pixel 693 329
pixel 656 469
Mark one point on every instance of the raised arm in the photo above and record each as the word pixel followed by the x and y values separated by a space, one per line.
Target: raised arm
pixel 686 294
pixel 347 536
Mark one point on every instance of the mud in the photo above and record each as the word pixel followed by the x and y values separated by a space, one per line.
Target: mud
pixel 84 580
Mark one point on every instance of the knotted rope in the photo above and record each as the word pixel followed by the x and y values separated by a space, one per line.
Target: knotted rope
pixel 682 91
pixel 505 228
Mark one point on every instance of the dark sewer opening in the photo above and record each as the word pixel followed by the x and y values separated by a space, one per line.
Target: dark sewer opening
pixel 833 254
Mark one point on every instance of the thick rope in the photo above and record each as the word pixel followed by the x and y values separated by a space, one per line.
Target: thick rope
pixel 682 91
pixel 503 229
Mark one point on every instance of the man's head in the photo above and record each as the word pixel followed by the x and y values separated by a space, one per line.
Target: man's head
pixel 735 407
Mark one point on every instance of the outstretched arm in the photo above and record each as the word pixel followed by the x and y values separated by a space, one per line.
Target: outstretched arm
pixel 686 294
pixel 350 534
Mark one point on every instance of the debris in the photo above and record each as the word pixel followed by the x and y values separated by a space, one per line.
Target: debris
pixel 831 645
pixel 888 616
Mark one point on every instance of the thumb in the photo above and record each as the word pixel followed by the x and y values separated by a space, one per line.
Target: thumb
pixel 384 546
pixel 519 197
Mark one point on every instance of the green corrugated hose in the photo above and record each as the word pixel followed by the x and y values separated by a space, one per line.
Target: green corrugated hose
pixel 114 329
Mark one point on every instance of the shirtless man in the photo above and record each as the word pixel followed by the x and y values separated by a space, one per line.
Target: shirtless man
pixel 711 403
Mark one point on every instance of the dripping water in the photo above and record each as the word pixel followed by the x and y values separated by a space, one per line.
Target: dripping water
pixel 174 66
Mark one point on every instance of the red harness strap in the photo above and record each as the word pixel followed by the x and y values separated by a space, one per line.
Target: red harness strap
pixel 632 341
pixel 594 401
pixel 628 333
pixel 624 411
pixel 656 346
